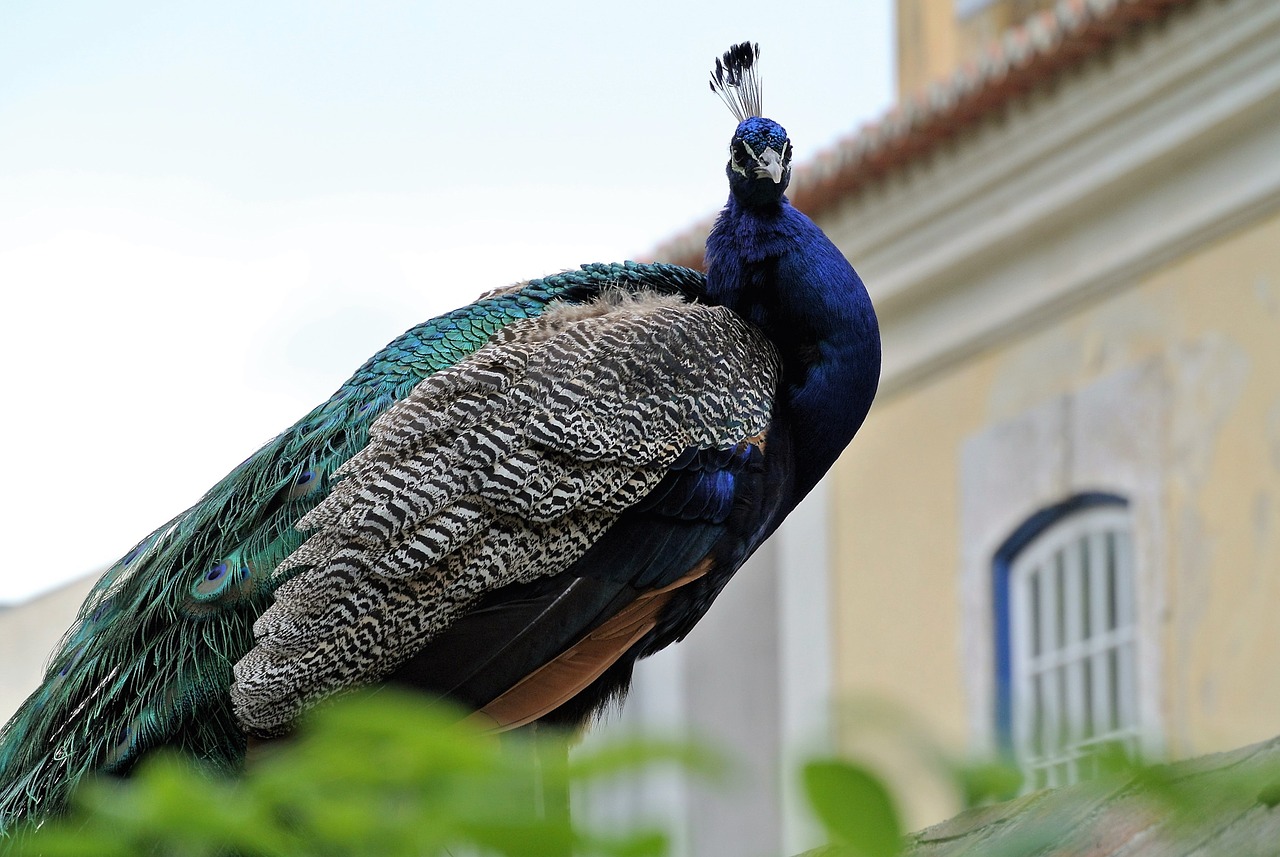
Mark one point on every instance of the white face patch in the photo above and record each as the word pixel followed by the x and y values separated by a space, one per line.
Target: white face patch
pixel 733 162
pixel 768 164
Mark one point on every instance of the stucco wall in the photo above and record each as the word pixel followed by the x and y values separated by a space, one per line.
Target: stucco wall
pixel 1178 380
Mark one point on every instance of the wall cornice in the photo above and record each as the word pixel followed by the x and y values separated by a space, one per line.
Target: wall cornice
pixel 1134 160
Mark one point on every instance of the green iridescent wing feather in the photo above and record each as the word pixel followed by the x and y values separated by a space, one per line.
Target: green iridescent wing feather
pixel 148 661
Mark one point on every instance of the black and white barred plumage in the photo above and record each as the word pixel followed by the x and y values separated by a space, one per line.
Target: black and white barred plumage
pixel 502 469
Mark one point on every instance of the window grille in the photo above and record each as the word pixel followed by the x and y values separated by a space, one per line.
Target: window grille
pixel 1072 645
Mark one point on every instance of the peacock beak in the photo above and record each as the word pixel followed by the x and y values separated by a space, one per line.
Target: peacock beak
pixel 769 163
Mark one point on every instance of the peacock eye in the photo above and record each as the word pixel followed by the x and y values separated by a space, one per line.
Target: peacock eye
pixel 739 152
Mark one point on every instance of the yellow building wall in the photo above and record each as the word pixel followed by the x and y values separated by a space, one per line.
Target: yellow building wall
pixel 933 41
pixel 1223 637
pixel 1212 320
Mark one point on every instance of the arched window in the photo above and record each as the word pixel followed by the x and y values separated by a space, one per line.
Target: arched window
pixel 1066 642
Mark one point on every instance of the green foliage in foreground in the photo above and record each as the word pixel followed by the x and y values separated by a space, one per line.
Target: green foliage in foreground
pixel 387 775
pixel 854 806
pixel 857 809
pixel 378 775
pixel 1176 805
pixel 855 803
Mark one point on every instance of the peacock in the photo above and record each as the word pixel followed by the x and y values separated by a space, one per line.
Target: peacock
pixel 507 506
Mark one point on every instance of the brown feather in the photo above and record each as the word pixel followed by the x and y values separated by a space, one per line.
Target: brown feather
pixel 569 673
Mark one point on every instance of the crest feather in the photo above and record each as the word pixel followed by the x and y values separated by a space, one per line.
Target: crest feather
pixel 735 80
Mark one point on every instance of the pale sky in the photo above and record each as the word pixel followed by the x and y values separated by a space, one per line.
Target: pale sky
pixel 212 213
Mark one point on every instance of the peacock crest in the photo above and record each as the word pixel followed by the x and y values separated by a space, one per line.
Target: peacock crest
pixel 736 81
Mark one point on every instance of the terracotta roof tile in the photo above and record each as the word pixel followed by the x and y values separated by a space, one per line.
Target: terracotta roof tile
pixel 1024 58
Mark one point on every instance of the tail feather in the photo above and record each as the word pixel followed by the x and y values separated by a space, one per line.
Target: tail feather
pixel 148 660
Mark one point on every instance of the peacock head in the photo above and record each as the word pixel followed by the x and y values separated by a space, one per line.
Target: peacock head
pixel 759 159
pixel 760 153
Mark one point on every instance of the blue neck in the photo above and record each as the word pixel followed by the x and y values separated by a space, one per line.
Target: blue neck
pixel 773 266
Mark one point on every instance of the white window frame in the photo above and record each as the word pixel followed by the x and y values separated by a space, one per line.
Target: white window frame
pixel 1074 646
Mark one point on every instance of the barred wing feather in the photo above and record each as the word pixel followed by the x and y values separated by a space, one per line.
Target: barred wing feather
pixel 503 469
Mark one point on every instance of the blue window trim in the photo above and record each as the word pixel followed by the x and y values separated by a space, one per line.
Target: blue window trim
pixel 1001 565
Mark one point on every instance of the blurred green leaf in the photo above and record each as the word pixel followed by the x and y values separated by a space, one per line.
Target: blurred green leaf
pixel 382 774
pixel 981 782
pixel 855 807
